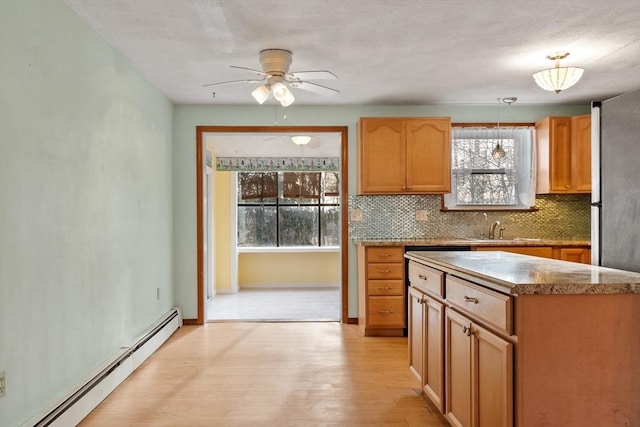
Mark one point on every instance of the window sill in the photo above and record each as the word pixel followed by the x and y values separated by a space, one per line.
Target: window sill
pixel 288 249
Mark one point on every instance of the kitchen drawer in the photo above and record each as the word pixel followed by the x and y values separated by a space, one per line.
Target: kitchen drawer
pixel 386 311
pixel 485 305
pixel 426 279
pixel 385 287
pixel 385 254
pixel 385 271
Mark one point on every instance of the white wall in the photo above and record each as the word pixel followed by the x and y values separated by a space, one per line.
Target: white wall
pixel 187 117
pixel 85 203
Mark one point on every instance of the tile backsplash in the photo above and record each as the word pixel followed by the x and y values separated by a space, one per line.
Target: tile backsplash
pixel 562 217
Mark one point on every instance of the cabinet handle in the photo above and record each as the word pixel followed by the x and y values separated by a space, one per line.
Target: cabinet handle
pixel 384 255
pixel 384 271
pixel 385 311
pixel 469 299
pixel 567 186
pixel 468 331
pixel 422 277
pixel 384 288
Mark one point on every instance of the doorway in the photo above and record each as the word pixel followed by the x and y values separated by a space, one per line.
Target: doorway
pixel 202 133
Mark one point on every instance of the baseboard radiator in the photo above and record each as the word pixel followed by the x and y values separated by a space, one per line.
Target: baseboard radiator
pixel 87 397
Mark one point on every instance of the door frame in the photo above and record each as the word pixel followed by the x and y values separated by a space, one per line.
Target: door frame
pixel 344 259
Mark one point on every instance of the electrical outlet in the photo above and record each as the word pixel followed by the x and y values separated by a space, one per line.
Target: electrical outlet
pixel 3 384
pixel 422 215
pixel 357 215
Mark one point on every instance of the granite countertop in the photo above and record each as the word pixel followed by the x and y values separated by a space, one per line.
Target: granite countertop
pixel 458 241
pixel 517 274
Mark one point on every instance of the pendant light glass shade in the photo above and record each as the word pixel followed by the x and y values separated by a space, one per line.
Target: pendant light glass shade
pixel 282 93
pixel 558 78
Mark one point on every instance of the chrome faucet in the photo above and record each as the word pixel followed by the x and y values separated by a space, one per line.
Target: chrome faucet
pixel 492 229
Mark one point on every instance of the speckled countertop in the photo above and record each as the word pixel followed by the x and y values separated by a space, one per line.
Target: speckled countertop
pixel 517 274
pixel 456 241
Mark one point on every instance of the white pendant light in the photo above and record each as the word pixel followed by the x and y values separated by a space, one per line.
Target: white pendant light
pixel 558 78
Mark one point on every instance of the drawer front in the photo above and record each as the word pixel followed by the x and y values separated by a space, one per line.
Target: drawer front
pixel 386 312
pixel 385 254
pixel 426 279
pixel 385 271
pixel 385 287
pixel 484 304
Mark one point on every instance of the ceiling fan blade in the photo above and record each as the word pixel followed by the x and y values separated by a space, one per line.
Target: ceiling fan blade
pixel 315 88
pixel 258 72
pixel 312 75
pixel 233 82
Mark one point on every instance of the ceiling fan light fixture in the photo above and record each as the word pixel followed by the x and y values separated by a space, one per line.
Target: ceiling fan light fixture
pixel 282 93
pixel 558 78
pixel 261 93
pixel 301 139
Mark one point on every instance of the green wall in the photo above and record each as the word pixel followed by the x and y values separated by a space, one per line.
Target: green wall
pixel 85 204
pixel 187 117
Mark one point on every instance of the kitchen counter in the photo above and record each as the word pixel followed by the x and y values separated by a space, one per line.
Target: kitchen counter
pixel 458 241
pixel 517 274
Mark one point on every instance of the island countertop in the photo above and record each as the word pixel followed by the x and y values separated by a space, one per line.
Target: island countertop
pixel 517 274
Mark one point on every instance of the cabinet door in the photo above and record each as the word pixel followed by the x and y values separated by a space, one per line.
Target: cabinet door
pixel 492 372
pixel 433 374
pixel 458 369
pixel 428 157
pixel 581 154
pixel 479 375
pixel 416 333
pixel 381 156
pixel 581 255
pixel 560 154
pixel 553 135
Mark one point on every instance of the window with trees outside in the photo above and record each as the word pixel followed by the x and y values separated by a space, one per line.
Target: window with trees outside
pixel 284 209
pixel 481 180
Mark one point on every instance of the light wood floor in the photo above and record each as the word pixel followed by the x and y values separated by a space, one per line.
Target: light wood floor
pixel 270 374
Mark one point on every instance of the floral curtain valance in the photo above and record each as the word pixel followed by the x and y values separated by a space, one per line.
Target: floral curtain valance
pixel 248 164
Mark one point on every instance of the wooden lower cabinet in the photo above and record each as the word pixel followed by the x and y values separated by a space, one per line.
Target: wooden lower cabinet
pixel 426 344
pixel 575 254
pixel 479 374
pixel 381 290
pixel 581 255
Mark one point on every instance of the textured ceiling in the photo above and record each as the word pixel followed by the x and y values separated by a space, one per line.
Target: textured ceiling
pixel 389 52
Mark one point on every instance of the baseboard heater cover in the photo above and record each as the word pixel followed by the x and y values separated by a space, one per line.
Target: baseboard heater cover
pixel 87 397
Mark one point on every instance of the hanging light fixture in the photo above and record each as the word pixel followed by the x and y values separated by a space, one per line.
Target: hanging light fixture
pixel 280 92
pixel 301 139
pixel 498 152
pixel 558 78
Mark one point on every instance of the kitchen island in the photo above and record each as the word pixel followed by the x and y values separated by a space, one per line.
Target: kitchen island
pixel 505 339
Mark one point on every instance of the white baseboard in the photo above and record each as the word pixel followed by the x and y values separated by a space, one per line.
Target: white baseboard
pixel 84 399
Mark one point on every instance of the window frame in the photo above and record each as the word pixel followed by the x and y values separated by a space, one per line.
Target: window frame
pixel 279 203
pixel 479 207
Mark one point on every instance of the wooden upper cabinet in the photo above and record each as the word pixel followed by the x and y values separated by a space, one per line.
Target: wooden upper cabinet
pixel 581 154
pixel 404 155
pixel 564 155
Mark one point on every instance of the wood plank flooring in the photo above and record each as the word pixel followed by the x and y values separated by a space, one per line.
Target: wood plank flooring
pixel 270 374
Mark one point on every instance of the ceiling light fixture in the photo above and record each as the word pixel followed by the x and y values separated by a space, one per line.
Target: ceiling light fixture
pixel 301 139
pixel 261 93
pixel 558 78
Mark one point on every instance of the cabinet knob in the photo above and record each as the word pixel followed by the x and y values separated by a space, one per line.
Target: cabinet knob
pixel 567 186
pixel 468 331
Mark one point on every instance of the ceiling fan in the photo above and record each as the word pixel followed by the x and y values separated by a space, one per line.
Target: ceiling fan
pixel 278 80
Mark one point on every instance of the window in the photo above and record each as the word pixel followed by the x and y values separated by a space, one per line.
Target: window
pixel 480 182
pixel 288 209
